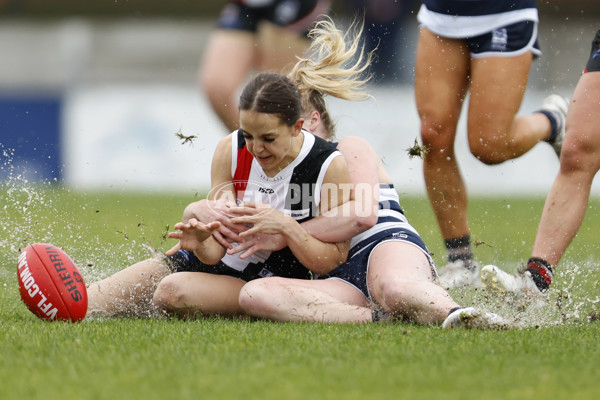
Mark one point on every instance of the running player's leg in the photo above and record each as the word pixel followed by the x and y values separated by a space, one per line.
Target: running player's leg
pixel 229 57
pixel 495 132
pixel 566 203
pixel 441 82
pixel 279 48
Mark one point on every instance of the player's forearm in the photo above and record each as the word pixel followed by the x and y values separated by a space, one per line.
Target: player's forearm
pixel 318 256
pixel 210 251
pixel 342 223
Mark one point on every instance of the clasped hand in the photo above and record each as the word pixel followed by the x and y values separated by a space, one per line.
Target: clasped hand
pixel 253 226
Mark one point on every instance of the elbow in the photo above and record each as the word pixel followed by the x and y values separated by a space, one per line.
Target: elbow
pixel 367 221
pixel 327 264
pixel 194 210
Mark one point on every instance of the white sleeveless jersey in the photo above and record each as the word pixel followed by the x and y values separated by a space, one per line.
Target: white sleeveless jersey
pixel 295 191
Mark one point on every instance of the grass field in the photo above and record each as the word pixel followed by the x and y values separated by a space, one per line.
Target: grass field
pixel 554 355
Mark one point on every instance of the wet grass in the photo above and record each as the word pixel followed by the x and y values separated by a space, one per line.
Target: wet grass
pixel 556 357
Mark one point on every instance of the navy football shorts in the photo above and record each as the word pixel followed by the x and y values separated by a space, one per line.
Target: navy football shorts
pixel 507 40
pixel 593 63
pixel 186 261
pixel 354 271
pixel 297 15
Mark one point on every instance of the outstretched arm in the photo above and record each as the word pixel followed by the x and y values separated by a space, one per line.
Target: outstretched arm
pixel 198 223
pixel 195 236
pixel 216 210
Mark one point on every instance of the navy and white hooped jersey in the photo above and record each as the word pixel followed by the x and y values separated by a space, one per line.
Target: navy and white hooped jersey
pixel 467 18
pixel 390 215
pixel 295 191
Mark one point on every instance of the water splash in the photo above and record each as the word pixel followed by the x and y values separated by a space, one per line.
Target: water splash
pixel 572 299
pixel 35 212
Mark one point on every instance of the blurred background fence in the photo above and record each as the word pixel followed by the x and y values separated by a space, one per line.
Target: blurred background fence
pixel 92 94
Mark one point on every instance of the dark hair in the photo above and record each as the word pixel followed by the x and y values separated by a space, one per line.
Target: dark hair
pixel 272 93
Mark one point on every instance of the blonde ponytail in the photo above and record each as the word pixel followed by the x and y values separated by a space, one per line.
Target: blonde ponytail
pixel 335 65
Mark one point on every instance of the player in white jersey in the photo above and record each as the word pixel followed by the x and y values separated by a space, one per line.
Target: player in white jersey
pixel 389 268
pixel 484 48
pixel 294 191
pixel 198 278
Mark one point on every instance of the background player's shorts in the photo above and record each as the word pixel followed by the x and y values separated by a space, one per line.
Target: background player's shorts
pixel 507 41
pixel 593 63
pixel 295 15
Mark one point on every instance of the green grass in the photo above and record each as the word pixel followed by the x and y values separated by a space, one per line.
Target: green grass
pixel 141 358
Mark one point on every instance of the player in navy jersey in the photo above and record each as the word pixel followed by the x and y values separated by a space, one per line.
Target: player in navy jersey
pixel 253 35
pixel 484 48
pixel 566 203
pixel 389 272
pixel 198 277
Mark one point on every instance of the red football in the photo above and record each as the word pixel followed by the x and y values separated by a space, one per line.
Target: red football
pixel 50 283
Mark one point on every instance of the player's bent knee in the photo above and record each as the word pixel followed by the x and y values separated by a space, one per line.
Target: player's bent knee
pixel 486 154
pixel 256 297
pixel 169 294
pixel 396 293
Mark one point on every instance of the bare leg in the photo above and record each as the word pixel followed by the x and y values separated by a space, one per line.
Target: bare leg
pixel 441 83
pixel 496 134
pixel 198 293
pixel 128 291
pixel 566 203
pixel 231 56
pixel 279 48
pixel 401 281
pixel 227 61
pixel 283 299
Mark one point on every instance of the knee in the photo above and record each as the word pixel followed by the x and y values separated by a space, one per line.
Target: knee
pixel 436 135
pixel 486 154
pixel 392 290
pixel 169 294
pixel 578 156
pixel 490 151
pixel 255 297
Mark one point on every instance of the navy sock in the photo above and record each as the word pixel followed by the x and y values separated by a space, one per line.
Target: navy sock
pixel 553 123
pixel 454 309
pixel 459 249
